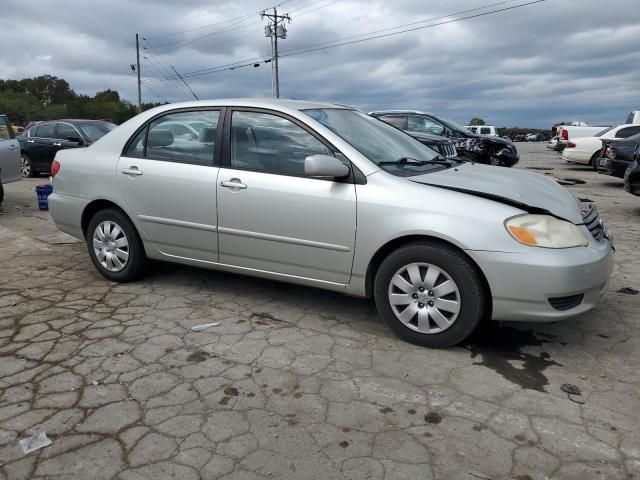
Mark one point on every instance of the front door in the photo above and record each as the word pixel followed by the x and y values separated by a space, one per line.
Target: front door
pixel 273 218
pixel 169 182
pixel 9 153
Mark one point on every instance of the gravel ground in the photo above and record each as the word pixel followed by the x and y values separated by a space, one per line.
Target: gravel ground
pixel 301 383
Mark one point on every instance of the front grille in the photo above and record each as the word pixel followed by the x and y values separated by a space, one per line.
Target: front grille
pixel 448 150
pixel 594 223
pixel 566 303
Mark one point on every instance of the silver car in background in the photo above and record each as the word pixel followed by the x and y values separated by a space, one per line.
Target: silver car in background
pixel 9 155
pixel 324 195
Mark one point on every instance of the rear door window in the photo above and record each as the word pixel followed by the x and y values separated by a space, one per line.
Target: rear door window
pixel 398 121
pixel 45 130
pixel 485 131
pixel 184 137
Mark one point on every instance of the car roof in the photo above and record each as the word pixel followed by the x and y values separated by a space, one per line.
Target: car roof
pixel 399 111
pixel 257 103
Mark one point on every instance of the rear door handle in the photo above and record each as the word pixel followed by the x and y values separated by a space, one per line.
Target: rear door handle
pixel 234 183
pixel 55 144
pixel 132 171
pixel 13 147
pixel 31 141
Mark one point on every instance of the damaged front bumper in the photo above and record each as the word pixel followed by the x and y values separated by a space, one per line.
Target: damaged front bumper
pixel 546 285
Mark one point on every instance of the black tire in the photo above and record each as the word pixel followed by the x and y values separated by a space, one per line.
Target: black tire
pixel 137 260
pixel 26 161
pixel 594 160
pixel 1 193
pixel 472 296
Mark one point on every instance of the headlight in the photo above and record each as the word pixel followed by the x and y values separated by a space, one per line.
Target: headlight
pixel 545 231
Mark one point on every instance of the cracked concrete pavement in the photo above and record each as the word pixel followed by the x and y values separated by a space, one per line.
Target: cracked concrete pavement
pixel 298 383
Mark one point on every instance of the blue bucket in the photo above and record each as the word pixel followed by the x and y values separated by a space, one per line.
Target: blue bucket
pixel 43 192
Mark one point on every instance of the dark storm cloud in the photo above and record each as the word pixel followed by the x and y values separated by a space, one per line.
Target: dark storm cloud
pixel 557 60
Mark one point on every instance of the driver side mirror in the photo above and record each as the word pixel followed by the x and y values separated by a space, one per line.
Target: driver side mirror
pixel 325 166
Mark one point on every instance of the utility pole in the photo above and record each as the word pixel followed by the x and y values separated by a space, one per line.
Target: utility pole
pixel 138 71
pixel 183 81
pixel 275 30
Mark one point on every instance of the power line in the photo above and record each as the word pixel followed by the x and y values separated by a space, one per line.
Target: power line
pixel 433 19
pixel 228 27
pixel 309 48
pixel 292 53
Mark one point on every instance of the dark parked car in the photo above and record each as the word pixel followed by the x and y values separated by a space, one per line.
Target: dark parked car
pixel 470 146
pixel 40 142
pixel 440 144
pixel 616 155
pixel 632 175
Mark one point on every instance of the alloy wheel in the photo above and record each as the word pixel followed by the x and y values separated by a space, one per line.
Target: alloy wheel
pixel 424 298
pixel 111 246
pixel 25 167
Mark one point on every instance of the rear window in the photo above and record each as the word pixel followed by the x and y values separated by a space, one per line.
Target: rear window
pixel 630 118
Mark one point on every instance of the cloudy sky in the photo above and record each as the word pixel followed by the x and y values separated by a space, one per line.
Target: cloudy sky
pixel 529 66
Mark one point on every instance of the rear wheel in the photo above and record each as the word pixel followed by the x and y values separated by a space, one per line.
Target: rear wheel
pixel 26 166
pixel 430 294
pixel 115 247
pixel 1 193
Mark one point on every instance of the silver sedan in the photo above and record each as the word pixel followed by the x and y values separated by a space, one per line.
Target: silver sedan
pixel 326 196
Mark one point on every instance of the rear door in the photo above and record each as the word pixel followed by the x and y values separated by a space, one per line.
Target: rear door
pixel 169 182
pixel 9 153
pixel 41 149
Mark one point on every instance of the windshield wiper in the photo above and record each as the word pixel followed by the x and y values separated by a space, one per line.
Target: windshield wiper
pixel 405 161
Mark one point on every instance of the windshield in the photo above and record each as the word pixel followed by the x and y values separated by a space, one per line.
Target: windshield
pixel 599 134
pixel 95 130
pixel 381 143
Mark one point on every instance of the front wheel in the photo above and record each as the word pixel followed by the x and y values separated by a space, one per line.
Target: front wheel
pixel 594 160
pixel 115 247
pixel 26 167
pixel 430 294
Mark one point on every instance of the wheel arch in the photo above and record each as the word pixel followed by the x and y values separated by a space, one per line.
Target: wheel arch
pixel 390 246
pixel 94 207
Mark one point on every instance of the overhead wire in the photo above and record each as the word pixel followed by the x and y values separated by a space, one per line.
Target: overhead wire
pixel 356 38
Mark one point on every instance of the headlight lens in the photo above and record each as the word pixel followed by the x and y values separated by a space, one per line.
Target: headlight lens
pixel 545 231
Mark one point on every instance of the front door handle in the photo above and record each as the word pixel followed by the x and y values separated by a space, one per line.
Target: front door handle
pixel 234 183
pixel 31 141
pixel 55 144
pixel 13 148
pixel 131 171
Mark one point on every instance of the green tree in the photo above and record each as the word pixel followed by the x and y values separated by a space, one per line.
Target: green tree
pixel 477 121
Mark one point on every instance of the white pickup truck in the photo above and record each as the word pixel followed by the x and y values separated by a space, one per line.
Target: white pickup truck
pixel 565 133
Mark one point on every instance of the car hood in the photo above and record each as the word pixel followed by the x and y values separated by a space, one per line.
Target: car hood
pixel 529 191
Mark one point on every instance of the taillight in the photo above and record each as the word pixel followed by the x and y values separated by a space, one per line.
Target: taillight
pixel 55 168
pixel 610 153
pixel 565 134
pixel 571 145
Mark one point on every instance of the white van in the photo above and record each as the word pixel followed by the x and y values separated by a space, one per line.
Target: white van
pixel 482 129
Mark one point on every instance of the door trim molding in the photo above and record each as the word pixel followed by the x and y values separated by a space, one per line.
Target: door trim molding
pixel 281 239
pixel 178 223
